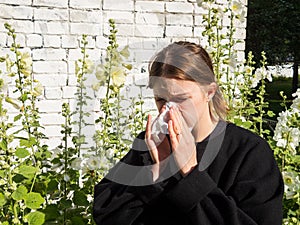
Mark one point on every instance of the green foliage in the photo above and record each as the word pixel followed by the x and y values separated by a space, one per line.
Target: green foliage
pixel 244 85
pixel 39 187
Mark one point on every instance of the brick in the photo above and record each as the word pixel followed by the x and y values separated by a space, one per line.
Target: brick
pixel 198 20
pixel 147 92
pixel 22 26
pixel 52 118
pixel 149 18
pixel 124 5
pixel 101 42
pixel 69 92
pixel 123 29
pixel 149 31
pixel 52 41
pixel 34 40
pixel 53 93
pixel 74 54
pixel 145 6
pixel 239 46
pixel 91 42
pixel 3 38
pixel 149 104
pixel 198 31
pixel 90 4
pixel 48 54
pixel 16 12
pixel 179 31
pixel 69 41
pixel 179 7
pixel 141 56
pixel 51 80
pixel 141 79
pixel 85 16
pixel 72 80
pixel 53 131
pixel 51 27
pixel 240 33
pixel 16 2
pixel 150 43
pixel 51 3
pixel 175 19
pixel 85 28
pixel 136 43
pixel 49 105
pixel 119 17
pixel 50 67
pixel 20 39
pixel 54 14
pixel 133 91
pixel 200 10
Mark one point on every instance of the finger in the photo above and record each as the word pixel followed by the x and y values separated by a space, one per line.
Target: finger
pixel 148 127
pixel 174 116
pixel 174 138
pixel 163 108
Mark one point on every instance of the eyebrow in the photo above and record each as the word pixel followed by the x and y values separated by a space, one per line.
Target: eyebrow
pixel 185 94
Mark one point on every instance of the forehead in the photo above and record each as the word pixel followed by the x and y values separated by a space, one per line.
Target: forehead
pixel 169 86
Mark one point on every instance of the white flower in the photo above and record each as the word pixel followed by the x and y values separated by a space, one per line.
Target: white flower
pixel 118 76
pixel 38 90
pixel 248 69
pixel 296 102
pixel 93 162
pixel 237 7
pixel 77 164
pixel 200 2
pixel 206 5
pixel 89 66
pixel 110 153
pixel 26 64
pixel 291 183
pixel 66 178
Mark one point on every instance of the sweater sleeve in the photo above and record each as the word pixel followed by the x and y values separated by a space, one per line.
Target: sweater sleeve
pixel 255 197
pixel 120 197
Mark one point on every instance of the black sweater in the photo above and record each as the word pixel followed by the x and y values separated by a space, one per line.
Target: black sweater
pixel 237 183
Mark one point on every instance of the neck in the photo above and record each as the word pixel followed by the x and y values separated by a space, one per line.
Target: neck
pixel 203 128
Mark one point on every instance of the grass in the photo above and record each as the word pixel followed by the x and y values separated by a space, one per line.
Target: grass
pixel 273 97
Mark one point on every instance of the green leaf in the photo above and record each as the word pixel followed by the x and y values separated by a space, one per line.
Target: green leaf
pixel 34 200
pixel 270 113
pixel 77 220
pixel 27 171
pixel 2 199
pixel 2 173
pixel 65 204
pixel 16 118
pixel 3 145
pixel 52 186
pixel 35 218
pixel 22 153
pixel 20 193
pixel 80 199
pixel 28 142
pixel 51 212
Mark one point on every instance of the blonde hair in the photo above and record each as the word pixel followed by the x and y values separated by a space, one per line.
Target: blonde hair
pixel 188 61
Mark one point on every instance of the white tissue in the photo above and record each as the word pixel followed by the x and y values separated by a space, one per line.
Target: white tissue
pixel 160 125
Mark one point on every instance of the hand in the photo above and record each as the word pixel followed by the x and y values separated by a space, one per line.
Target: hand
pixel 182 142
pixel 158 153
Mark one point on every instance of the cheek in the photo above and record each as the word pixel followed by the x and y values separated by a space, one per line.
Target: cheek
pixel 189 112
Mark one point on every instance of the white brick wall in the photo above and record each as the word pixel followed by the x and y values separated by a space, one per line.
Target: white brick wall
pixel 51 31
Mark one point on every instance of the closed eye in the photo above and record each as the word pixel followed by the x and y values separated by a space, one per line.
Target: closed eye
pixel 157 99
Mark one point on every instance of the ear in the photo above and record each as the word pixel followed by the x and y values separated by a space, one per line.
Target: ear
pixel 211 90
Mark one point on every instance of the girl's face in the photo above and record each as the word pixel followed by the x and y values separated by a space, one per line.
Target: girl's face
pixel 189 96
